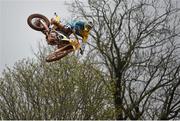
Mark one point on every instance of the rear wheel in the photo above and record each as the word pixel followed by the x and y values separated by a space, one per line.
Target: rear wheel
pixel 34 22
pixel 57 55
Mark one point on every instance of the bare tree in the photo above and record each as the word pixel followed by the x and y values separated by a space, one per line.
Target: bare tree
pixel 136 43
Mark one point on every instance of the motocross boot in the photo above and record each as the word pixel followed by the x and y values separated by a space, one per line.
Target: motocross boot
pixel 67 30
pixel 57 24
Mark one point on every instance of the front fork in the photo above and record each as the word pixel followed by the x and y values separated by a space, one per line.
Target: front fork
pixel 46 32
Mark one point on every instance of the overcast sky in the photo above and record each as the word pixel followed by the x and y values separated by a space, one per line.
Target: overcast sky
pixel 17 39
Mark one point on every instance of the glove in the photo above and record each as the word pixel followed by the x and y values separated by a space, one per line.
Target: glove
pixel 82 48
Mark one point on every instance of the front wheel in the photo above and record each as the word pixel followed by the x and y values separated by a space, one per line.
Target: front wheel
pixel 57 55
pixel 34 22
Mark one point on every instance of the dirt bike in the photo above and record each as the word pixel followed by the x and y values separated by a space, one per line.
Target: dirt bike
pixel 65 45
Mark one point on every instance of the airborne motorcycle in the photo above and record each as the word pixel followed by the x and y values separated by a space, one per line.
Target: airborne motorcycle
pixel 65 45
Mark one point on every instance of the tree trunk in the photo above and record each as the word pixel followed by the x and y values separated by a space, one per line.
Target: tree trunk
pixel 118 99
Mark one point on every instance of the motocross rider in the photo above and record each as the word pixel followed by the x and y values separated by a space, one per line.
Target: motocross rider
pixel 79 28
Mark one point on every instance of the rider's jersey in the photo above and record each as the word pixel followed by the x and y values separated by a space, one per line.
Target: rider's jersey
pixel 79 27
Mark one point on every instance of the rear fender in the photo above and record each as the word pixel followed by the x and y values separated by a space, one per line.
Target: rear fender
pixel 75 44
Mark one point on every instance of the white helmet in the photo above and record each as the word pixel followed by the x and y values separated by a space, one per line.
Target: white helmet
pixel 89 24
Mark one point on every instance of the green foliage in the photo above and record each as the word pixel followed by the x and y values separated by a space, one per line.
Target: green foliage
pixel 66 89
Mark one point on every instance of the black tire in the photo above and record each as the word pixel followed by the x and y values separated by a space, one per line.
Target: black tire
pixel 35 27
pixel 57 55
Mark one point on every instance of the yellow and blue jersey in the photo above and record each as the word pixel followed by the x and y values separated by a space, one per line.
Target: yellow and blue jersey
pixel 79 27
